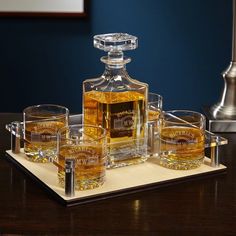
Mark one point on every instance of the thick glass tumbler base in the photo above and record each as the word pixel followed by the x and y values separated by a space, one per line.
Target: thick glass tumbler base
pixel 180 164
pixel 84 184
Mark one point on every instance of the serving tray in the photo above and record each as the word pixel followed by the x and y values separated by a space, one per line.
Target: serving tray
pixel 120 181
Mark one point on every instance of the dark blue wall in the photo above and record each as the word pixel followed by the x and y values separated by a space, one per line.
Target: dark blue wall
pixel 184 46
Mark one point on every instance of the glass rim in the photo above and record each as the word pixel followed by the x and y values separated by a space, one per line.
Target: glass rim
pixel 103 135
pixel 27 109
pixel 202 117
pixel 160 97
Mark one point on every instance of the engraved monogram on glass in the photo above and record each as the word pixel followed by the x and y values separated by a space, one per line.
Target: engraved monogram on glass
pixel 182 139
pixel 41 123
pixel 86 145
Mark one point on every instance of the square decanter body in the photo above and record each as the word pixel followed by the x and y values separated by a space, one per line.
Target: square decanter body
pixel 118 103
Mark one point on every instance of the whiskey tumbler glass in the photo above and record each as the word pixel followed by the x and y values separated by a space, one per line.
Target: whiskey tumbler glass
pixel 155 102
pixel 182 139
pixel 86 146
pixel 41 123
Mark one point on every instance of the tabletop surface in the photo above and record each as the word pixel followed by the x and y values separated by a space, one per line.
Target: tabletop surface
pixel 201 206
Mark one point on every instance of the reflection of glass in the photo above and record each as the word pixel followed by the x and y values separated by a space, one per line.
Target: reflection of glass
pixel 117 102
pixel 155 102
pixel 182 139
pixel 41 123
pixel 86 145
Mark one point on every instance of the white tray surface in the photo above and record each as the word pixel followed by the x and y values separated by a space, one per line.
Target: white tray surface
pixel 117 180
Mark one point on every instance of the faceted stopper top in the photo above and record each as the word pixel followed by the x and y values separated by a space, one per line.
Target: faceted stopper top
pixel 115 42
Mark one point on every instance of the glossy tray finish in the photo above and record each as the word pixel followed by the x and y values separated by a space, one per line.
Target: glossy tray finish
pixel 120 181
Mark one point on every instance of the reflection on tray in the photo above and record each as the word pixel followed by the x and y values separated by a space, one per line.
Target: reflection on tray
pixel 148 174
pixel 120 181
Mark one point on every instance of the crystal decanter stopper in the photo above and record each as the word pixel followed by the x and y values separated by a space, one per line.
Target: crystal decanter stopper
pixel 117 102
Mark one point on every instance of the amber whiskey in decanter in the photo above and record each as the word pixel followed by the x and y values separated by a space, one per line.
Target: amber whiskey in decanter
pixel 118 103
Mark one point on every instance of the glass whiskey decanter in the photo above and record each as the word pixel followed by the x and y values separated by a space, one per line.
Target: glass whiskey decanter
pixel 118 103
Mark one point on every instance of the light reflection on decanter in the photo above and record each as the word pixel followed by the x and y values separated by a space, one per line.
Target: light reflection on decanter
pixel 118 103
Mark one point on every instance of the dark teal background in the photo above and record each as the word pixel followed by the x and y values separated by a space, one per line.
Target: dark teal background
pixel 184 45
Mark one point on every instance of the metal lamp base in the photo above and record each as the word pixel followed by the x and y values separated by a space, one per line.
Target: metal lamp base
pixel 222 115
pixel 219 125
pixel 224 112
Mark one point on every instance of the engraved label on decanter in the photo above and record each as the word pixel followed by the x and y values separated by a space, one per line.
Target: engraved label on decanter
pixel 118 103
pixel 122 120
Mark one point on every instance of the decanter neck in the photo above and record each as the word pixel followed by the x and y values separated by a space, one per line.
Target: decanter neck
pixel 114 70
pixel 115 60
pixel 115 56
